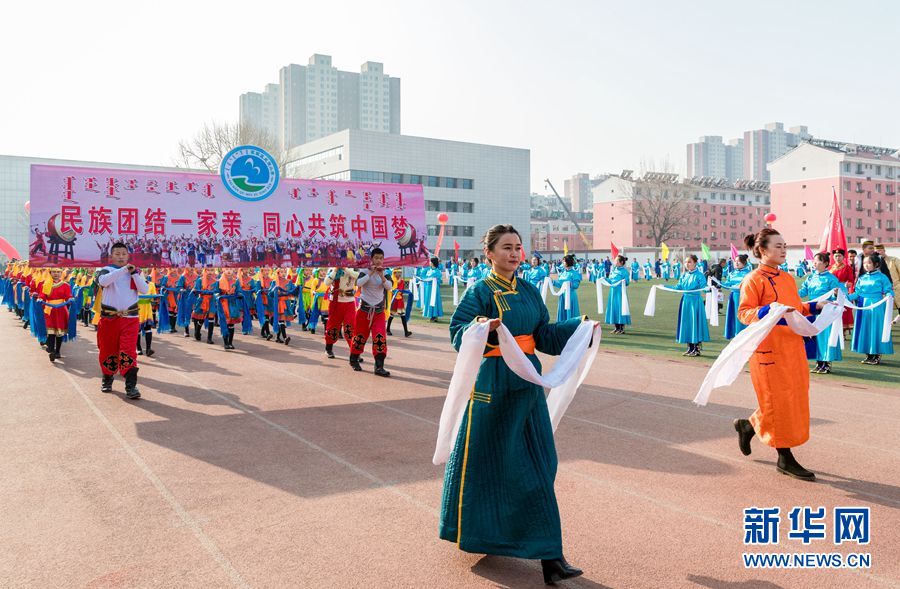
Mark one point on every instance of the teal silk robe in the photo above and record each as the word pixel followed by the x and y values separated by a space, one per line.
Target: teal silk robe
pixel 498 485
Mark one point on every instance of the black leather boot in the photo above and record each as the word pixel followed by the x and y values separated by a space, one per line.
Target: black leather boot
pixel 148 337
pixel 209 333
pixel 558 570
pixel 197 330
pixel 51 347
pixel 745 433
pixel 106 386
pixel 329 351
pixel 379 366
pixel 388 329
pixel 406 331
pixel 354 362
pixel 788 465
pixel 131 390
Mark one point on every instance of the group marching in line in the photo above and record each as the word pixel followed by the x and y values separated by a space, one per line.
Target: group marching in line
pixel 497 426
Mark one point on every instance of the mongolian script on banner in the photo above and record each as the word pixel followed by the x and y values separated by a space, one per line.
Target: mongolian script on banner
pixel 173 218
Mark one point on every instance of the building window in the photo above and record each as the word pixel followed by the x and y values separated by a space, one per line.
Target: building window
pixel 847 167
pixel 396 178
pixel 432 205
pixel 450 182
pixel 414 179
pixel 846 184
pixel 467 183
pixel 433 181
pixel 451 207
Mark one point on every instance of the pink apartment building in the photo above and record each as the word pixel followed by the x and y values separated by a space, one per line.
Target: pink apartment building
pixel 718 212
pixel 865 178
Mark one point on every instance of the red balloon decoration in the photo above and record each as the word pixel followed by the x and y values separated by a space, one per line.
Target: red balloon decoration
pixel 443 218
pixel 8 250
pixel 27 206
pixel 770 218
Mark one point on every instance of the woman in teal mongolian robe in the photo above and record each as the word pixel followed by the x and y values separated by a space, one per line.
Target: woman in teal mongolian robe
pixel 691 328
pixel 498 485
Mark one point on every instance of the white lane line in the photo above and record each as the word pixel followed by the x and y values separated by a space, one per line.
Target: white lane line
pixel 163 491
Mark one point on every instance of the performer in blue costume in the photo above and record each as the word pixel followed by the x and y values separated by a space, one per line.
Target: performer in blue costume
pixel 535 274
pixel 871 287
pixel 648 270
pixel 498 484
pixel 665 270
pixel 432 277
pixel 635 271
pixel 614 315
pixel 691 328
pixel 573 277
pixel 733 325
pixel 676 270
pixel 817 284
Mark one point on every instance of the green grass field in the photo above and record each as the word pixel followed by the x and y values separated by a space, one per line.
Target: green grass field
pixel 656 335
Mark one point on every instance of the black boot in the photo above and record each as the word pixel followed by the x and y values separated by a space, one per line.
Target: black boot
pixel 51 347
pixel 558 570
pixel 209 332
pixel 745 433
pixel 388 330
pixel 354 362
pixel 690 350
pixel 826 368
pixel 817 369
pixel 231 338
pixel 172 321
pixel 197 330
pixel 140 349
pixel 329 350
pixel 379 366
pixel 106 385
pixel 131 390
pixel 406 331
pixel 788 465
pixel 284 335
pixel 58 347
pixel 148 336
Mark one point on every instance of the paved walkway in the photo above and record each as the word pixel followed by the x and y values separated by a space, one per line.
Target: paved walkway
pixel 276 467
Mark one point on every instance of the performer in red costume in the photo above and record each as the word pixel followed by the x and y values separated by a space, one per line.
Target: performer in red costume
pixel 117 331
pixel 56 291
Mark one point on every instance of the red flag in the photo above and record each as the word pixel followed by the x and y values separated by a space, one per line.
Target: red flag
pixel 455 249
pixel 808 254
pixel 734 252
pixel 615 250
pixel 833 236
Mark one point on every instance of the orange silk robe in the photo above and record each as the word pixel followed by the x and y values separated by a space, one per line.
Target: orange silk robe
pixel 778 368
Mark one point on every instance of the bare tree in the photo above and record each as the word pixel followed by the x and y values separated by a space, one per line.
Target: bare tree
pixel 214 140
pixel 661 202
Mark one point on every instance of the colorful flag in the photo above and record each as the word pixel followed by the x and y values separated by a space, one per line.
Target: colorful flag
pixel 705 250
pixel 833 236
pixel 734 252
pixel 614 250
pixel 808 254
pixel 664 251
pixel 455 249
pixel 565 248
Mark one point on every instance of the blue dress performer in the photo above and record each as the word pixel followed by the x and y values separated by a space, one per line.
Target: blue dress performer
pixel 614 314
pixel 817 284
pixel 870 288
pixel 573 277
pixel 733 325
pixel 432 277
pixel 691 328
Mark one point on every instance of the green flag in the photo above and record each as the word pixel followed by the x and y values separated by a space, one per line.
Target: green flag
pixel 705 249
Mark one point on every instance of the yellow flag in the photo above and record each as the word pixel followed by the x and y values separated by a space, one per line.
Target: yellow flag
pixel 664 250
pixel 565 248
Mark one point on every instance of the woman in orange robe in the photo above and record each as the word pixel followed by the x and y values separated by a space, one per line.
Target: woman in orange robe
pixel 778 368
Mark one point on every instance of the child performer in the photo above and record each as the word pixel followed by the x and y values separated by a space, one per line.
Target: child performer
pixel 398 302
pixel 820 281
pixel 374 286
pixel 118 327
pixel 56 291
pixel 341 307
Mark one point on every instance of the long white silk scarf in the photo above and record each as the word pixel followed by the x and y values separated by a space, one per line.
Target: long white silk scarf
pixel 563 380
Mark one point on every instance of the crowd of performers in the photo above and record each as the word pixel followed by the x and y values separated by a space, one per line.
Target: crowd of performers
pixel 127 305
pixel 500 455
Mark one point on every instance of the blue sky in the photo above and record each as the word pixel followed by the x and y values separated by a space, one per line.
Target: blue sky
pixel 587 86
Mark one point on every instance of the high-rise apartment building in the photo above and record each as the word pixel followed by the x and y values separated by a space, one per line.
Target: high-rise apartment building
pixel 317 100
pixel 744 158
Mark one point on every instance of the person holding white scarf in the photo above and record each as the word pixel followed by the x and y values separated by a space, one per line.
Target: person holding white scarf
pixel 567 282
pixel 691 328
pixel 819 282
pixel 498 493
pixel 778 368
pixel 431 278
pixel 614 311
pixel 871 286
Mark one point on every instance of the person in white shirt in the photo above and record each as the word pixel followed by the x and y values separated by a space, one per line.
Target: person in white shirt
pixel 370 317
pixel 119 326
